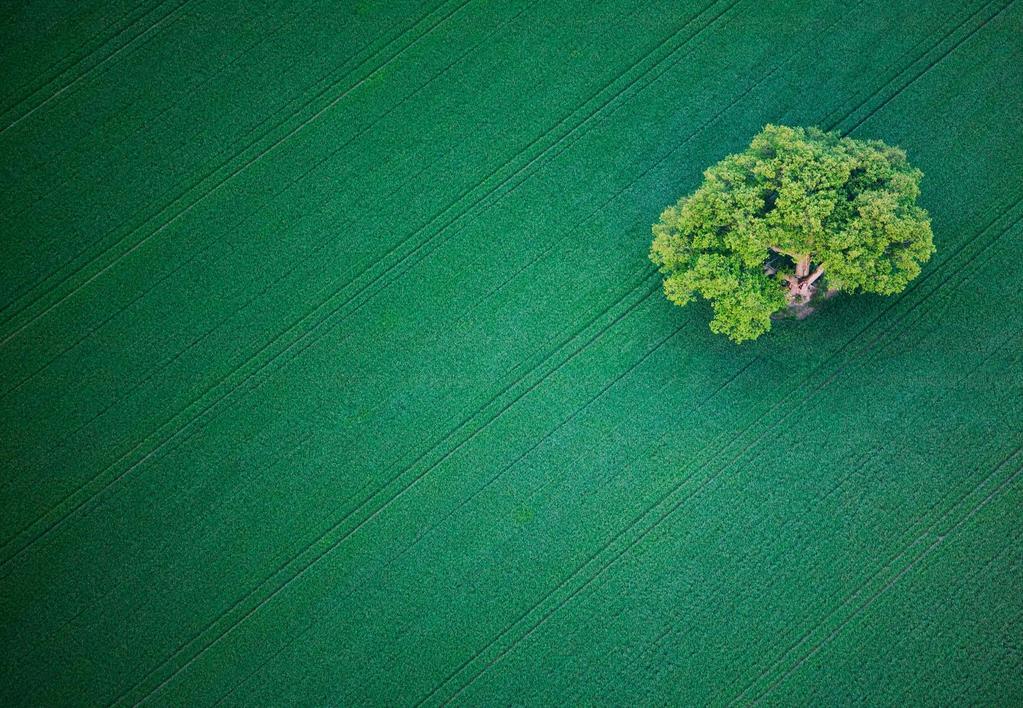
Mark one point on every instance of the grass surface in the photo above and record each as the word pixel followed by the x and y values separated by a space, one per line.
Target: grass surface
pixel 333 370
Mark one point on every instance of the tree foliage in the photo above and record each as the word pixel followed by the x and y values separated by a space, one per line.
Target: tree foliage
pixel 799 215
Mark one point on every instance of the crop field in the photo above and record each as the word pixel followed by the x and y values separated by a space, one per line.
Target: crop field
pixel 333 370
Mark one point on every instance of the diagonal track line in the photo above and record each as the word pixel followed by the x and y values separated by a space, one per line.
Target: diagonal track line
pixel 421 475
pixel 575 414
pixel 572 337
pixel 832 124
pixel 909 530
pixel 331 545
pixel 258 367
pixel 232 154
pixel 165 112
pixel 84 74
pixel 413 482
pixel 939 539
pixel 966 377
pixel 67 63
pixel 1004 554
pixel 580 410
pixel 457 200
pixel 645 297
pixel 196 341
pixel 190 531
pixel 509 627
pixel 232 173
pixel 937 60
pixel 686 480
pixel 662 518
pixel 492 172
pixel 137 447
pixel 646 270
pixel 577 591
pixel 198 255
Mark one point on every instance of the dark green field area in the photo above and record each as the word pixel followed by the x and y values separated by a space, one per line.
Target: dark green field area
pixel 333 369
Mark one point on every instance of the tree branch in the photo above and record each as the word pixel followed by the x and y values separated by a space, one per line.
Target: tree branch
pixel 793 256
pixel 813 276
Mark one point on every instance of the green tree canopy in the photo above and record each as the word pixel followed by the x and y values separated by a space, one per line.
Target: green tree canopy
pixel 799 215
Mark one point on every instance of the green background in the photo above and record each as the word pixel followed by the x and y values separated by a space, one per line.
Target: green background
pixel 333 370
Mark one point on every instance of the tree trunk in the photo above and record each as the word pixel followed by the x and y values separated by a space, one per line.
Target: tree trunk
pixel 803 266
pixel 801 286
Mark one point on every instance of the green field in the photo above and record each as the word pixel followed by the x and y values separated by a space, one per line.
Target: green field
pixel 333 369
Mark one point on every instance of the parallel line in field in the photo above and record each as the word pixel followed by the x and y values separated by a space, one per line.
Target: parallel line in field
pixel 831 123
pixel 972 262
pixel 66 63
pixel 649 653
pixel 483 426
pixel 164 114
pixel 1011 544
pixel 309 314
pixel 857 468
pixel 656 164
pixel 628 187
pixel 205 192
pixel 283 566
pixel 908 567
pixel 530 388
pixel 975 265
pixel 84 74
pixel 647 270
pixel 232 151
pixel 909 531
pixel 578 411
pixel 941 57
pixel 423 474
pixel 39 370
pixel 664 498
pixel 273 463
pixel 871 356
pixel 573 336
pixel 643 270
pixel 574 414
pixel 198 254
pixel 331 544
pixel 467 192
pixel 195 341
pixel 493 190
pixel 67 499
pixel 781 64
pixel 965 277
pixel 421 251
pixel 42 368
pixel 622 191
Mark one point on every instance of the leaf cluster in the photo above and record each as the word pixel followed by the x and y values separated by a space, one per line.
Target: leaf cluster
pixel 849 205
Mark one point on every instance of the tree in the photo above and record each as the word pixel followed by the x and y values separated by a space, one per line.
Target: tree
pixel 800 215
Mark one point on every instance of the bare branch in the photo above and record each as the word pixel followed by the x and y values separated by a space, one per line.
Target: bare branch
pixel 815 275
